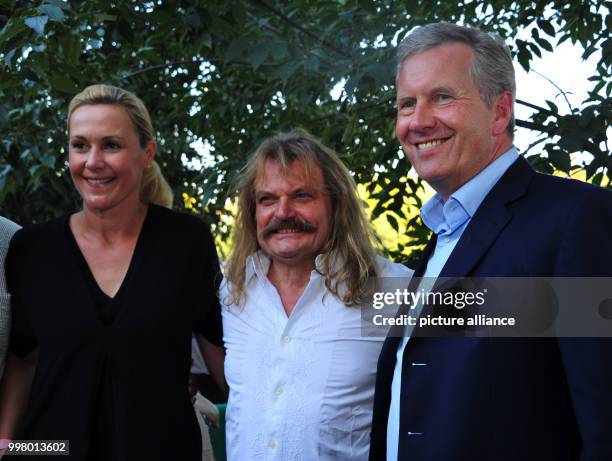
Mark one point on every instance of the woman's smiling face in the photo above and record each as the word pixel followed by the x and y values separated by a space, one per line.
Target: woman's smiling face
pixel 105 156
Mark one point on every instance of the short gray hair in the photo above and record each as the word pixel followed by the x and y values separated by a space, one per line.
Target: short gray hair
pixel 492 71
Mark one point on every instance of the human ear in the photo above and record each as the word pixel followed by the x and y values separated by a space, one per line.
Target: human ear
pixel 150 151
pixel 503 106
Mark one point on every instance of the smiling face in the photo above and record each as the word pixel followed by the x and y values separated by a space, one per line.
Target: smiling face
pixel 445 128
pixel 293 213
pixel 105 157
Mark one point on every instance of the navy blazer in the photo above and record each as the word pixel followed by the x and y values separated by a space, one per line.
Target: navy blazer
pixel 510 398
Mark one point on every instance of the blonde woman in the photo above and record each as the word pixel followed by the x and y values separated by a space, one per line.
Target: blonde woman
pixel 106 300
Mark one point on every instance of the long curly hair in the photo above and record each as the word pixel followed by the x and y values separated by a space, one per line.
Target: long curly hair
pixel 351 240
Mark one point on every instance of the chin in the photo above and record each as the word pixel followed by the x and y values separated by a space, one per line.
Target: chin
pixel 98 205
pixel 285 253
pixel 430 175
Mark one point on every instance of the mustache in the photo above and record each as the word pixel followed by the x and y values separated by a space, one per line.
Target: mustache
pixel 287 224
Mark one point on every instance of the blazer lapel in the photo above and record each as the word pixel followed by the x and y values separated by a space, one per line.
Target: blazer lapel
pixel 489 220
pixel 482 231
pixel 422 264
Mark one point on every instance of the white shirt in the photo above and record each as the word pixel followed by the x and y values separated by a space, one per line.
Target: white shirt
pixel 301 387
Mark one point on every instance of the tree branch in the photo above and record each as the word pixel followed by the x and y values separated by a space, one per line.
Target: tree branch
pixel 557 87
pixel 533 126
pixel 587 145
pixel 165 65
pixel 295 25
pixel 184 62
pixel 538 108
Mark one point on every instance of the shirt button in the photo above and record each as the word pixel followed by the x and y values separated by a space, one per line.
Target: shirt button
pixel 279 391
pixel 286 339
pixel 271 444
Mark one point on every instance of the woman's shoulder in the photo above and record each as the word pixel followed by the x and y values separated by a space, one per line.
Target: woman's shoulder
pixel 37 232
pixel 171 217
pixel 37 240
pixel 181 226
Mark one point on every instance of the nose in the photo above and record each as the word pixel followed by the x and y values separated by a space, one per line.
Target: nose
pixel 95 159
pixel 422 117
pixel 284 210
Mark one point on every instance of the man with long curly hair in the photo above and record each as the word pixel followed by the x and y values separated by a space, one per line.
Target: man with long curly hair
pixel 300 373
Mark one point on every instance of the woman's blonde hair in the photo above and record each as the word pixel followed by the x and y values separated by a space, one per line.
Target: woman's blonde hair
pixel 153 188
pixel 350 243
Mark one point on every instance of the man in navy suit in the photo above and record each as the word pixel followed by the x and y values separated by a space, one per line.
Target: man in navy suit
pixel 475 398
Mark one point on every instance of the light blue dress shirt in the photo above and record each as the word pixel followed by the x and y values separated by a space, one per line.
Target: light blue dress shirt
pixel 448 220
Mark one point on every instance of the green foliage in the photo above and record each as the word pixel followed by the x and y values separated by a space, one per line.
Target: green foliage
pixel 234 72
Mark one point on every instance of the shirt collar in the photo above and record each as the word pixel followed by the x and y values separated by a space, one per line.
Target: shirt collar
pixel 445 218
pixel 257 264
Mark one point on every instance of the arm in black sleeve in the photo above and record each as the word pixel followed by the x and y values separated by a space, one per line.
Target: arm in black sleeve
pixel 208 309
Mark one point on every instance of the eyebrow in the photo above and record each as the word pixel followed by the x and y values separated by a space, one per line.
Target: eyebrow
pixel 442 89
pixel 105 138
pixel 261 193
pixel 434 90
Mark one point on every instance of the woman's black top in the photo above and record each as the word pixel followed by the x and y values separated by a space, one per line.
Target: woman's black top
pixel 112 373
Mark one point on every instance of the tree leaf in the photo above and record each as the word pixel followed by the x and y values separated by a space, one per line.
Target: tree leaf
pixel 37 23
pixel 553 106
pixel 524 56
pixel 49 161
pixel 285 71
pixel 53 12
pixel 63 4
pixel 34 170
pixel 10 30
pixel 392 221
pixel 4 175
pixel 72 46
pixel 546 26
pixel 571 142
pixel 597 179
pixel 8 57
pixel 278 50
pixel 351 83
pixel 545 44
pixel 258 55
pixel 560 159
pixel 535 49
pixel 193 20
pixel 381 72
pixel 63 84
pixel 235 49
pixel 4 118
